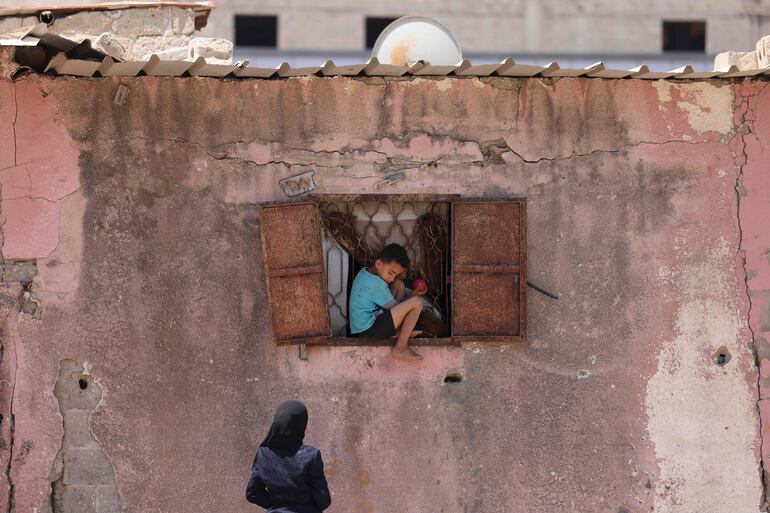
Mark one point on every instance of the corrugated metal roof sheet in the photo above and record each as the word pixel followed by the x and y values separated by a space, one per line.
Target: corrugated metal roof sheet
pixel 63 65
pixel 79 59
pixel 39 35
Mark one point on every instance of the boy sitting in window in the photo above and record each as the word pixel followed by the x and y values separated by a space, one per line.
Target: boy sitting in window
pixel 378 307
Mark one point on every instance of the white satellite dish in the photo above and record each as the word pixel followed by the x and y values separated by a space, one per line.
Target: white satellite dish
pixel 413 38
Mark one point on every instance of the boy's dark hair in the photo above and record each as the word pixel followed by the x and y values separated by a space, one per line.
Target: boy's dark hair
pixel 394 253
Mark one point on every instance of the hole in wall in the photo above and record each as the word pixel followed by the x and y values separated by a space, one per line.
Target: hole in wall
pixel 721 356
pixel 46 17
pixel 454 377
pixel 83 384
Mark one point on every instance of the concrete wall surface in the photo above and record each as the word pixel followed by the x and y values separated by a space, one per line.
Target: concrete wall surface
pixel 139 371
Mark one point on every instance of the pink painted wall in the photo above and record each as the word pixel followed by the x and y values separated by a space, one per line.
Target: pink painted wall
pixel 647 204
pixel 753 189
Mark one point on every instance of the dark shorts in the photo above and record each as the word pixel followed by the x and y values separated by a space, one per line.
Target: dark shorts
pixel 382 328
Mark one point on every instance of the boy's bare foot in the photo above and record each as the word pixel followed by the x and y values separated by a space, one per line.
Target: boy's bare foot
pixel 406 353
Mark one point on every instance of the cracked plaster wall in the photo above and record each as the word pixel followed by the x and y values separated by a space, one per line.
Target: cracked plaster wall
pixel 753 191
pixel 644 205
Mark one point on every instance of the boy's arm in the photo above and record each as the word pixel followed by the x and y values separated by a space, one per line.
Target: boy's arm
pixel 406 294
pixel 389 305
pixel 383 297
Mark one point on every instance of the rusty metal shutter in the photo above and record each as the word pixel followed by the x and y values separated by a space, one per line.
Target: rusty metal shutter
pixel 294 272
pixel 489 269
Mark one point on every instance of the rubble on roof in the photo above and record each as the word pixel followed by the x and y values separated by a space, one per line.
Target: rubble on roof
pixel 758 58
pixel 123 31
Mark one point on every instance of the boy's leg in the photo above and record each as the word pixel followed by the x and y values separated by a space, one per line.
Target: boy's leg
pixel 401 311
pixel 405 316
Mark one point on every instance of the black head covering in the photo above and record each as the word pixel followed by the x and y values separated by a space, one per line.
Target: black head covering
pixel 288 427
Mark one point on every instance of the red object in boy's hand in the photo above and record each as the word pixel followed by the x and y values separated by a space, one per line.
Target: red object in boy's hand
pixel 420 285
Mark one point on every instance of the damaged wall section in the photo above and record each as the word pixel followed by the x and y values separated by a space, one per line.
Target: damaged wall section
pixel 752 110
pixel 82 479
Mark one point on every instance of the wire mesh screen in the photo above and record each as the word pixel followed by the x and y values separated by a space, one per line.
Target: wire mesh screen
pixel 355 232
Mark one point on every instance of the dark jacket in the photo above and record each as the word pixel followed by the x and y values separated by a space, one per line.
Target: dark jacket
pixel 289 480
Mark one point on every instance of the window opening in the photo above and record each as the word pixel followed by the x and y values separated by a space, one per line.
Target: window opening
pixel 374 27
pixel 251 30
pixel 355 232
pixel 684 36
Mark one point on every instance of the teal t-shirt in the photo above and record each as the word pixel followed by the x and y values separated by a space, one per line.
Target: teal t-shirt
pixel 367 297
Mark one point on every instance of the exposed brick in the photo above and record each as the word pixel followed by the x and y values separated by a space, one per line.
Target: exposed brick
pixel 144 22
pixel 183 21
pixel 80 499
pixel 77 22
pixel 108 500
pixel 85 480
pixel 76 432
pixel 87 466
pixel 20 270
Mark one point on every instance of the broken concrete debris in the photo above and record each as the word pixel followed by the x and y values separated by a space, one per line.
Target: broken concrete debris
pixel 130 33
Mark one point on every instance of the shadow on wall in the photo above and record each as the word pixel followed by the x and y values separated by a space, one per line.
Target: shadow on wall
pixel 82 479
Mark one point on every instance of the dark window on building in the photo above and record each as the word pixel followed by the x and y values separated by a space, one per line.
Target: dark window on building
pixel 256 30
pixel 471 253
pixel 684 36
pixel 374 27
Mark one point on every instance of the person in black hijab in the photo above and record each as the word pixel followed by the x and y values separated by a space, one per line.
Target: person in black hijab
pixel 287 476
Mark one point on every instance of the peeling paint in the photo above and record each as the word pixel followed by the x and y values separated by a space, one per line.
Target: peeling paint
pixel 695 420
pixel 751 193
pixel 32 212
pixel 707 106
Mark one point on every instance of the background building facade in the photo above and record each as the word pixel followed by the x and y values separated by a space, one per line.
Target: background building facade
pixel 662 33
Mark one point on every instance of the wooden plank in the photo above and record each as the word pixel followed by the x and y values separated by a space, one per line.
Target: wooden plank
pixel 294 272
pixel 487 268
pixel 424 342
pixel 489 248
pixel 352 198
